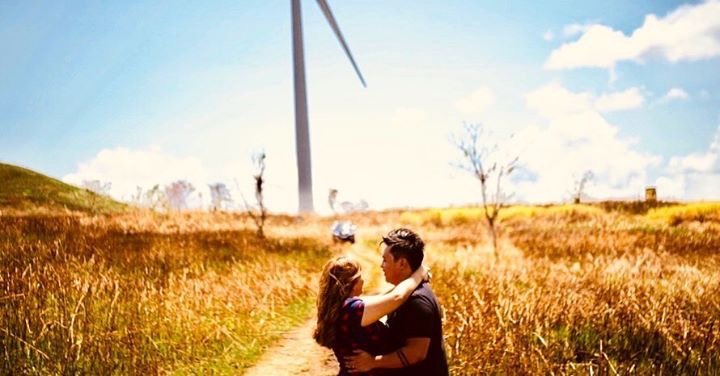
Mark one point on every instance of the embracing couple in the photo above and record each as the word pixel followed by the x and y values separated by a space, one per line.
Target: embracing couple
pixel 411 343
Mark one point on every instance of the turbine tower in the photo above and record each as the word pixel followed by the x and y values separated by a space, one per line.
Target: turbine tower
pixel 302 131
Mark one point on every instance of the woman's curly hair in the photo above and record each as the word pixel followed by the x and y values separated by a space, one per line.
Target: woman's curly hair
pixel 336 284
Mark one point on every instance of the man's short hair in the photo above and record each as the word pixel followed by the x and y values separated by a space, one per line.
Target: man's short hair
pixel 406 244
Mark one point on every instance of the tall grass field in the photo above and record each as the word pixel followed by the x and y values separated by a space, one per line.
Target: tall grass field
pixel 146 293
pixel 579 289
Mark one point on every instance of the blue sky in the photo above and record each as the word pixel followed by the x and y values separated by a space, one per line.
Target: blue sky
pixel 144 93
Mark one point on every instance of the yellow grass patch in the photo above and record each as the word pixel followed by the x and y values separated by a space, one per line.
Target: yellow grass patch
pixel 676 214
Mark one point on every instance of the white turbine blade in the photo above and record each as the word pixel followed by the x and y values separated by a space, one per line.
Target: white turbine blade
pixel 331 20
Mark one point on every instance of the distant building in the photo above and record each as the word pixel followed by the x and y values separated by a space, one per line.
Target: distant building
pixel 650 194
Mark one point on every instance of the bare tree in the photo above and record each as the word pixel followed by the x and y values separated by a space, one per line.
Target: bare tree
pixel 347 207
pixel 487 165
pixel 177 194
pixel 219 194
pixel 137 197
pixel 154 198
pixel 362 205
pixel 579 188
pixel 258 212
pixel 98 188
pixel 332 199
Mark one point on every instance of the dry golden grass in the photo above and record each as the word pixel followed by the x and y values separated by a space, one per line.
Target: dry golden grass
pixel 136 293
pixel 584 291
pixel 577 288
pixel 676 214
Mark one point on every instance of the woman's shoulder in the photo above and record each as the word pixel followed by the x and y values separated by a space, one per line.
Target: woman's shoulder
pixel 352 311
pixel 353 304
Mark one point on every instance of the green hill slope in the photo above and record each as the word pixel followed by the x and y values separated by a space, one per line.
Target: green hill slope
pixel 24 189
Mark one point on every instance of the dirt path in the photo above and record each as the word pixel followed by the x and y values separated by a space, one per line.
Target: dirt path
pixel 297 353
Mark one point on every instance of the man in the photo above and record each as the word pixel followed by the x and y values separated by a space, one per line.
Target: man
pixel 416 325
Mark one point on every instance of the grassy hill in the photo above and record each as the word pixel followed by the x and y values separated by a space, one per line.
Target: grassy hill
pixel 25 189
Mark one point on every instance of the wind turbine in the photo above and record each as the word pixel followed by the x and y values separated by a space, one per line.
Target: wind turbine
pixel 302 132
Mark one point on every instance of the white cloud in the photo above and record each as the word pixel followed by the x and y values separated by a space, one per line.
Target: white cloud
pixel 553 100
pixel 675 94
pixel 566 32
pixel 599 47
pixel 706 162
pixel 670 189
pixel 699 187
pixel 574 29
pixel 408 117
pixel 401 161
pixel 477 102
pixel 691 32
pixel 126 169
pixel 577 138
pixel 695 176
pixel 142 167
pixel 624 100
pixel 548 35
pixel 689 187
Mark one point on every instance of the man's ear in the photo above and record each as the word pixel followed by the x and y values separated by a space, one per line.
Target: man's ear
pixel 404 262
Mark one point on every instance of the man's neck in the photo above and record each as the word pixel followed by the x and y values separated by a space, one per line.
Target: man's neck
pixel 403 277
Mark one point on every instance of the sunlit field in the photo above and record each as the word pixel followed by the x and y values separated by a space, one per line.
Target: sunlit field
pixel 191 294
pixel 579 290
pixel 607 289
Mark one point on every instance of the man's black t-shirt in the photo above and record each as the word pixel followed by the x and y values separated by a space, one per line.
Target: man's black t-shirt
pixel 419 316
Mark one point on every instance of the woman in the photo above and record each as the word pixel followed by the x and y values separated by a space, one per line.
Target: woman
pixel 347 321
